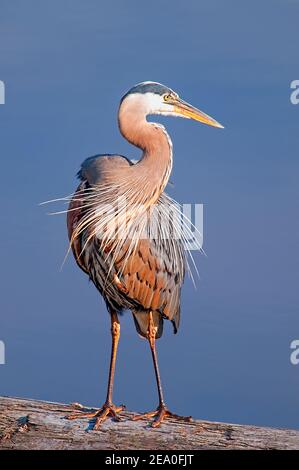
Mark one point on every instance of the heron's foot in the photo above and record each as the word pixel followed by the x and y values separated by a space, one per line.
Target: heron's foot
pixel 107 410
pixel 160 414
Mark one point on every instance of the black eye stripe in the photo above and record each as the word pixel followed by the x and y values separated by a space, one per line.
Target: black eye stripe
pixel 150 87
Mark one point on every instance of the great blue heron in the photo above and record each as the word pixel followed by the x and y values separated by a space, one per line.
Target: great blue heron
pixel 132 268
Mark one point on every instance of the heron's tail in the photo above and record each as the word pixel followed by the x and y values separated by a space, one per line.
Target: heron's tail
pixel 141 319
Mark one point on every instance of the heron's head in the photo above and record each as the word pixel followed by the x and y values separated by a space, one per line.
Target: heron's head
pixel 155 98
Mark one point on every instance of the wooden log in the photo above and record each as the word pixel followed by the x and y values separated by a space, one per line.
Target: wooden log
pixel 32 424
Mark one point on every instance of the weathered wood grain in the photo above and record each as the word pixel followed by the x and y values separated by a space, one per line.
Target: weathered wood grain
pixel 32 424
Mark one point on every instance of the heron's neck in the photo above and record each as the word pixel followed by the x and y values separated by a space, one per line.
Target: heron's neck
pixel 155 164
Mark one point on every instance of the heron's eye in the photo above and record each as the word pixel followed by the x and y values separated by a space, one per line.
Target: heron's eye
pixel 167 97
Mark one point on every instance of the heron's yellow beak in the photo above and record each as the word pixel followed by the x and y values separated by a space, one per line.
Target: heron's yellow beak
pixel 186 110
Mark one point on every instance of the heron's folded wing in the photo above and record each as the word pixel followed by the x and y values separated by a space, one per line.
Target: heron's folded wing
pixel 151 278
pixel 74 214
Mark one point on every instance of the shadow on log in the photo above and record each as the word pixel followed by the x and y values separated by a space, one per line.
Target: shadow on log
pixel 32 424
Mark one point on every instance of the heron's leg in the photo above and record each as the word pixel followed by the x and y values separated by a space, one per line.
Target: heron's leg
pixel 108 408
pixel 115 333
pixel 161 412
pixel 152 331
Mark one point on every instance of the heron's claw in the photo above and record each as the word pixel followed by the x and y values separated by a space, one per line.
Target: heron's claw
pixel 160 414
pixel 100 415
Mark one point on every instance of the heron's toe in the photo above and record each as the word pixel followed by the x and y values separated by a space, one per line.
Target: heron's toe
pixel 159 415
pixel 100 415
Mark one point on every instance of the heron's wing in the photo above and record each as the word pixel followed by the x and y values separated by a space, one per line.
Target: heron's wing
pixel 94 171
pixel 151 278
pixel 74 215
